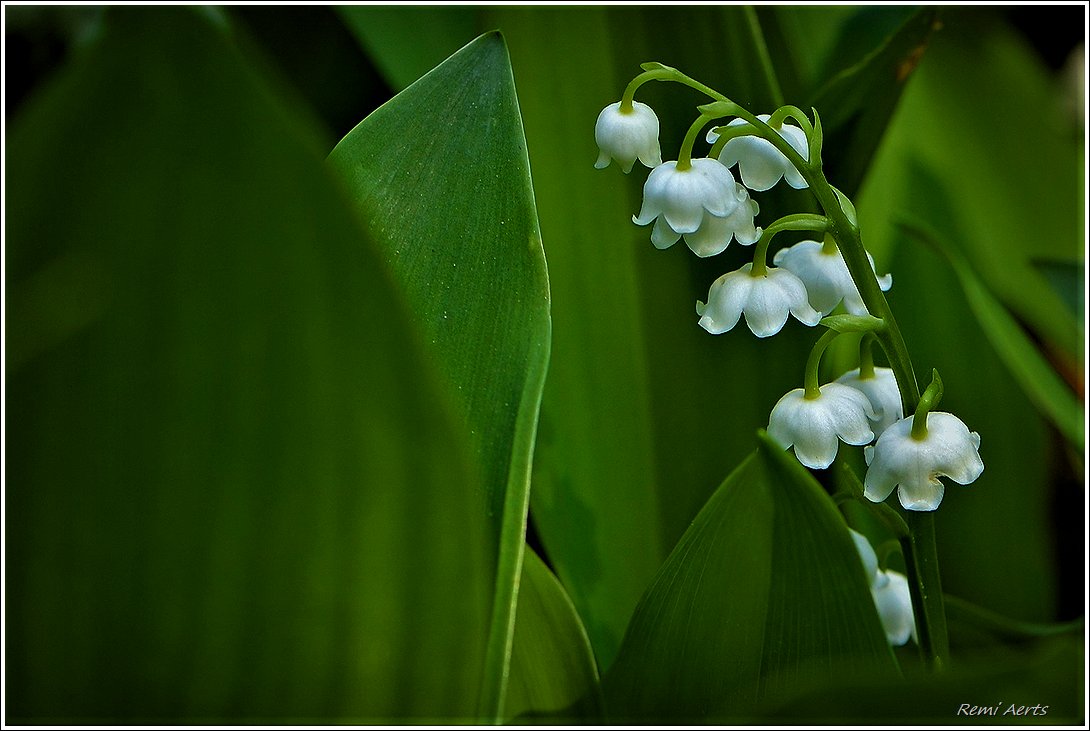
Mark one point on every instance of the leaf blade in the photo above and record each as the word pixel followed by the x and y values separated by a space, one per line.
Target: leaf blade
pixel 241 413
pixel 473 270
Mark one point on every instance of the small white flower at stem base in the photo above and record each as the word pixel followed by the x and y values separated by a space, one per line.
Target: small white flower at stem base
pixel 626 136
pixel 816 426
pixel 825 274
pixel 881 389
pixel 889 590
pixel 760 164
pixel 766 300
pixel 702 203
pixel 913 466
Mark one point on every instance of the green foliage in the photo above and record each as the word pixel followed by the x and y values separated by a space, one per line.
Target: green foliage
pixel 473 271
pixel 553 673
pixel 230 445
pixel 765 588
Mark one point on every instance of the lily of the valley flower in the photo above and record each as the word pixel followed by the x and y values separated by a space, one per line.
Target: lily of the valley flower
pixel 881 389
pixel 625 136
pixel 760 164
pixel 703 203
pixel 826 276
pixel 816 426
pixel 913 466
pixel 766 300
pixel 891 595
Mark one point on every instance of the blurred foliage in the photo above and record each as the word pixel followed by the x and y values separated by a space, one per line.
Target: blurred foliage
pixel 221 408
pixel 252 456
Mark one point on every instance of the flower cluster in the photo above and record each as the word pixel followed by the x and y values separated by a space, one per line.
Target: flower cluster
pixel 699 199
pixel 826 279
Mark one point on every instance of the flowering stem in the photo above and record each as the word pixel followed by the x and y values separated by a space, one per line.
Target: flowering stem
pixel 930 399
pixel 794 222
pixel 866 356
pixel 810 380
pixel 925 583
pixel 777 118
pixel 660 72
pixel 684 158
pixel 920 554
pixel 921 558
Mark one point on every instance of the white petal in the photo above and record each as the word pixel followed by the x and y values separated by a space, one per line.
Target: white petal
pixel 894 604
pixel 920 496
pixel 711 238
pixel 881 391
pixel 760 165
pixel 866 553
pixel 662 236
pixel 654 193
pixel 953 448
pixel 793 292
pixel 726 298
pixel 767 309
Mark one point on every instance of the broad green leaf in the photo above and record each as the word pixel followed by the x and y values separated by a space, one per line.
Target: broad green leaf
pixel 553 672
pixel 235 489
pixel 765 591
pixel 1015 190
pixel 644 412
pixel 440 177
pixel 407 42
pixel 857 103
pixel 1023 360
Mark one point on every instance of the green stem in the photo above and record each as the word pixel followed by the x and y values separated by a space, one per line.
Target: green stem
pixel 684 158
pixel 930 399
pixel 665 73
pixel 811 385
pixel 778 117
pixel 793 222
pixel 925 583
pixel 866 356
pixel 921 557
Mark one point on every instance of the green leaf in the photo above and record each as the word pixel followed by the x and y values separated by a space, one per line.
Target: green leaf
pixel 856 105
pixel 1039 381
pixel 644 412
pixel 440 178
pixel 235 491
pixel 1015 190
pixel 553 673
pixel 763 592
pixel 407 42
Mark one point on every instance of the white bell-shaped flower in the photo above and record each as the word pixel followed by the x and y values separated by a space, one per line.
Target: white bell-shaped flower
pixel 766 300
pixel 881 389
pixel 893 601
pixel 703 203
pixel 889 590
pixel 826 276
pixel 760 164
pixel 913 466
pixel 816 426
pixel 626 136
